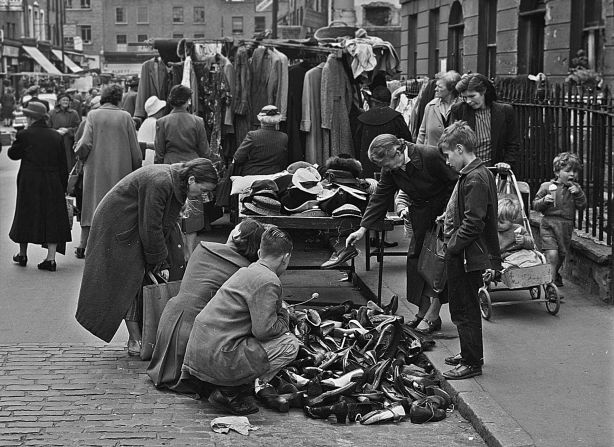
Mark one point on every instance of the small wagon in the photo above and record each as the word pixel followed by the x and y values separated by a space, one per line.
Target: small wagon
pixel 536 279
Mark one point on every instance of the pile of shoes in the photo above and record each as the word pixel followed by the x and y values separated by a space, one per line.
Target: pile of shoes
pixel 359 365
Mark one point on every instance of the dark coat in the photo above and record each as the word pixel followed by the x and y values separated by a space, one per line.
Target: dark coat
pixel 40 211
pixel 128 235
pixel 263 151
pixel 429 182
pixel 152 82
pixel 372 123
pixel 210 265
pixel 504 136
pixel 70 120
pixel 225 344
pixel 475 234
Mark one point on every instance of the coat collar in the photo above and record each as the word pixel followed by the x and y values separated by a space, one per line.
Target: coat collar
pixel 109 106
pixel 413 157
pixel 225 252
pixel 378 116
pixel 472 166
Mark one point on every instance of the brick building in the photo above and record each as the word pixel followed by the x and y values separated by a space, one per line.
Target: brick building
pixel 507 37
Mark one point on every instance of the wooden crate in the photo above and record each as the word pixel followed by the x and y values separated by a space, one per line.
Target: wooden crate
pixel 519 278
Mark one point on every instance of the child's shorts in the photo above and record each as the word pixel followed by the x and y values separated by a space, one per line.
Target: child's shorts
pixel 555 233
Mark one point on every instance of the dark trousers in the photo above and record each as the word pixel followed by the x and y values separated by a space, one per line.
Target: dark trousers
pixel 465 309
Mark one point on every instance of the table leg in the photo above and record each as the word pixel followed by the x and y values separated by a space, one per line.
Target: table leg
pixel 368 252
pixel 380 259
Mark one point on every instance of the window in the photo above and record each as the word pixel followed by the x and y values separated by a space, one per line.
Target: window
pixel 177 14
pixel 531 23
pixel 142 14
pixel 587 34
pixel 237 25
pixel 433 42
pixel 68 4
pixel 199 14
pixel 177 36
pixel 120 15
pixel 456 29
pixel 377 15
pixel 199 36
pixel 259 24
pixel 85 31
pixel 141 38
pixel 412 45
pixel 86 4
pixel 122 42
pixel 487 38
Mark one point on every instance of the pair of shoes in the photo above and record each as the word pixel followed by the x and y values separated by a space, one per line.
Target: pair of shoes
pixel 428 409
pixel 558 280
pixel 134 348
pixel 454 360
pixel 47 265
pixel 80 253
pixel 233 403
pixel 269 396
pixel 428 327
pixel 415 322
pixel 463 371
pixel 22 260
pixel 341 257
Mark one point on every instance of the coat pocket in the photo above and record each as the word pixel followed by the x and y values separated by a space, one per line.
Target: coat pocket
pixel 128 236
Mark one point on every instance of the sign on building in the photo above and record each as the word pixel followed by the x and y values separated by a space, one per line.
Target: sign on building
pixel 11 5
pixel 264 5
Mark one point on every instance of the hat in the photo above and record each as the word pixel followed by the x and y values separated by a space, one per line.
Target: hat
pixel 296 165
pixel 264 188
pixel 71 90
pixel 262 206
pixel 269 115
pixel 310 204
pixel 153 105
pixel 32 89
pixel 312 212
pixel 340 177
pixel 35 110
pixel 381 94
pixel 294 198
pixel 283 183
pixel 347 210
pixel 308 180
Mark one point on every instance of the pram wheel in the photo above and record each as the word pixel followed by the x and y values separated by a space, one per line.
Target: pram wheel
pixel 485 303
pixel 535 292
pixel 553 299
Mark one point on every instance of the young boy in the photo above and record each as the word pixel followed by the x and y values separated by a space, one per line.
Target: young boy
pixel 470 228
pixel 558 201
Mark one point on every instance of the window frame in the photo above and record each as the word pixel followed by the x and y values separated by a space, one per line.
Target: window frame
pixel 412 45
pixel 199 8
pixel 173 10
pixel 139 20
pixel 434 24
pixel 89 4
pixel 456 37
pixel 125 15
pixel 256 28
pixel 530 45
pixel 81 29
pixel 232 24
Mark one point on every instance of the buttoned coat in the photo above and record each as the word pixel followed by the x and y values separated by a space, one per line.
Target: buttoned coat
pixel 153 82
pixel 432 125
pixel 128 233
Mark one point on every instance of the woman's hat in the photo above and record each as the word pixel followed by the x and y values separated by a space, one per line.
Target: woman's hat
pixel 35 110
pixel 262 206
pixel 269 115
pixel 153 105
pixel 308 180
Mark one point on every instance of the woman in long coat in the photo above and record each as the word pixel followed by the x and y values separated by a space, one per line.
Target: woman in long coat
pixel 109 149
pixel 40 213
pixel 66 121
pixel 128 238
pixel 210 265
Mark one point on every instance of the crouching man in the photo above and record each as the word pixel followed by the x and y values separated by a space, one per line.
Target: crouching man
pixel 241 336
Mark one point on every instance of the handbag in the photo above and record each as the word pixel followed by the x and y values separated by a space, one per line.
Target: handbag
pixel 155 297
pixel 431 262
pixel 73 177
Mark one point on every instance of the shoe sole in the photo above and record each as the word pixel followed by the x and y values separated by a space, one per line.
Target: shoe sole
pixel 451 362
pixel 464 376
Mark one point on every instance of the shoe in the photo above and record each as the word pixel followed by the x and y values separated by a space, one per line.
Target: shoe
pixel 392 306
pixel 463 372
pixel 134 348
pixel 357 410
pixel 80 253
pixel 22 260
pixel 426 410
pixel 341 257
pixel 266 394
pixel 233 403
pixel 344 379
pixel 428 327
pixel 47 265
pixel 395 412
pixel 330 395
pixel 558 280
pixel 415 322
pixel 454 360
pixel 340 410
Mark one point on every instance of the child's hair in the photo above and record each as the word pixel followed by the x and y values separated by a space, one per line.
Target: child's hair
pixel 275 242
pixel 248 239
pixel 458 132
pixel 509 210
pixel 566 159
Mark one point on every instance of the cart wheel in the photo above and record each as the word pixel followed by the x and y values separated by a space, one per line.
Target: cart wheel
pixel 553 299
pixel 485 303
pixel 535 292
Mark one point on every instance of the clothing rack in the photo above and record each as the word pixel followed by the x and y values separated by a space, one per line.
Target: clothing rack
pixel 296 49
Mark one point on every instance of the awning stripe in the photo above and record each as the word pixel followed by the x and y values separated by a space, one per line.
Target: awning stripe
pixel 69 63
pixel 42 60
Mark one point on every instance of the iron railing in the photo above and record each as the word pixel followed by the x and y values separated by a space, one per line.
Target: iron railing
pixel 554 118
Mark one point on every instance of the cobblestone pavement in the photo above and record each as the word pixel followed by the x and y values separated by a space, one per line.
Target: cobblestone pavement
pixel 74 394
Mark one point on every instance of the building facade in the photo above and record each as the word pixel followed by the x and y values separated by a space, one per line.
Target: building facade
pixel 508 37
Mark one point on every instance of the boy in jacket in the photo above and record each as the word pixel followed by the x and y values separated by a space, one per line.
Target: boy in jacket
pixel 470 228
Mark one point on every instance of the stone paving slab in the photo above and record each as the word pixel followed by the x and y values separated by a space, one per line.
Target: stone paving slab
pixel 61 395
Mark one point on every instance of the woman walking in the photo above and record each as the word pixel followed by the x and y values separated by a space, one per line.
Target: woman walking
pixel 41 216
pixel 65 121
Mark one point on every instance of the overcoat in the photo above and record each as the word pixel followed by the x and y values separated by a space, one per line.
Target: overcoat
pixel 70 120
pixel 225 344
pixel 40 211
pixel 110 150
pixel 210 265
pixel 433 124
pixel 263 151
pixel 128 233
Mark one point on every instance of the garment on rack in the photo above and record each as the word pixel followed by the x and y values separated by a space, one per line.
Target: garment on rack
pixel 269 81
pixel 363 58
pixel 153 82
pixel 242 92
pixel 202 51
pixel 186 80
pixel 296 139
pixel 311 121
pixel 336 98
pixel 281 93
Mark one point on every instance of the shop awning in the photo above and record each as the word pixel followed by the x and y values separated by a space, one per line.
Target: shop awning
pixel 68 61
pixel 41 60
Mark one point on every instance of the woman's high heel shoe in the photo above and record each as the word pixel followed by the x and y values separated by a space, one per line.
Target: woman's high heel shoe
pixel 22 260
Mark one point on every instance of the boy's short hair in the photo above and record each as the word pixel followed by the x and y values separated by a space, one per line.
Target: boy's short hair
pixel 383 147
pixel 566 159
pixel 275 242
pixel 458 132
pixel 509 209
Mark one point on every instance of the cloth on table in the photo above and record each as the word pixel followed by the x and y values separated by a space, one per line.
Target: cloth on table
pixel 240 424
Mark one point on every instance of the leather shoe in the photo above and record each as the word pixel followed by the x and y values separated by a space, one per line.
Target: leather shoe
pixel 463 372
pixel 134 348
pixel 340 410
pixel 454 360
pixel 428 327
pixel 22 260
pixel 80 253
pixel 415 322
pixel 233 403
pixel 47 265
pixel 392 306
pixel 427 410
pixel 341 257
pixel 266 394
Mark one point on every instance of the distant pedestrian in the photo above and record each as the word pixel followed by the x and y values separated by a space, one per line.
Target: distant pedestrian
pixel 129 99
pixel 470 232
pixel 32 92
pixel 558 200
pixel 41 215
pixel 7 104
pixel 155 109
pixel 129 237
pixel 66 121
pixel 109 150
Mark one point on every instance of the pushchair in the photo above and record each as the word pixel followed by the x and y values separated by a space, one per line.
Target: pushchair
pixel 537 279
